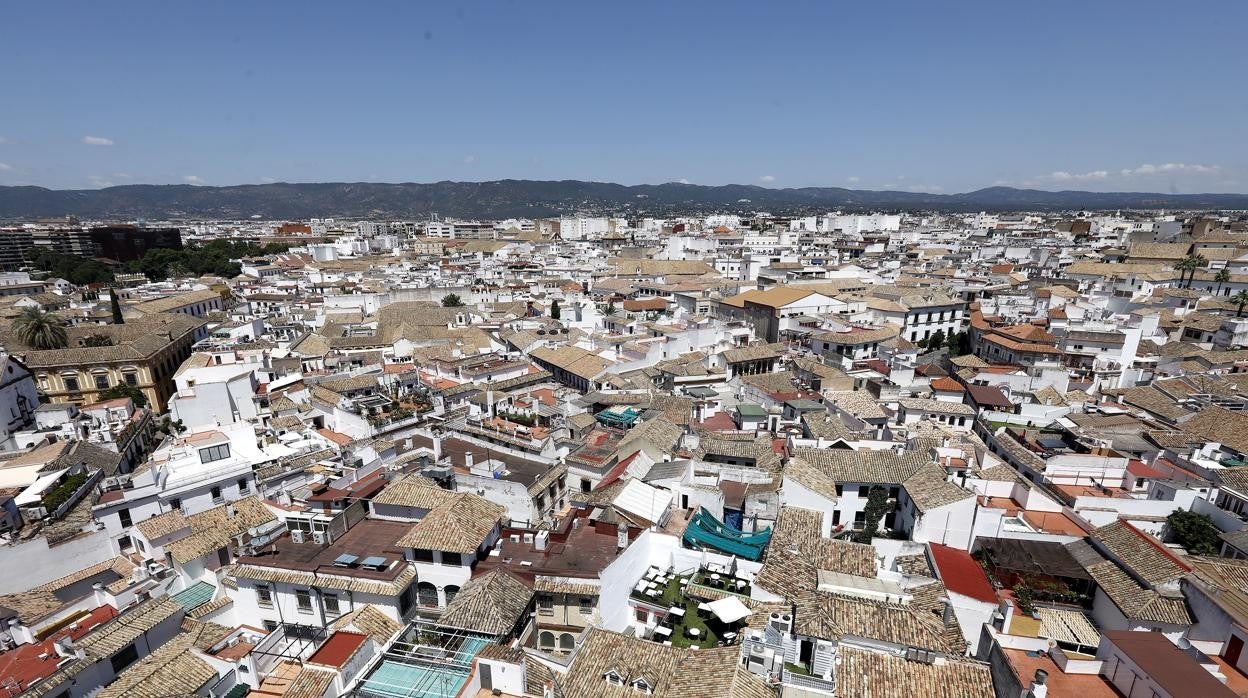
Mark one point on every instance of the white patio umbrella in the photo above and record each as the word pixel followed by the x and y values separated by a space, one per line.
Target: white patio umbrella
pixel 729 609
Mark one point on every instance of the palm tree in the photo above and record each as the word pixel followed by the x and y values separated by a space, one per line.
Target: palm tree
pixel 1223 276
pixel 1240 299
pixel 1189 265
pixel 1185 265
pixel 40 330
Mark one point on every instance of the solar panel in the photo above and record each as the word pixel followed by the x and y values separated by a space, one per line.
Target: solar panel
pixel 374 562
pixel 346 560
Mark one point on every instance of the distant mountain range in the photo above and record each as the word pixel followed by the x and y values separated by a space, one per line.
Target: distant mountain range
pixel 527 198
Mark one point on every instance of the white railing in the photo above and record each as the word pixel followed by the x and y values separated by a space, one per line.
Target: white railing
pixel 803 681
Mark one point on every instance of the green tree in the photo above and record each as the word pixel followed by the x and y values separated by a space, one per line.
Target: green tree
pixel 40 330
pixel 611 307
pixel 1187 268
pixel 877 505
pixel 937 340
pixel 1195 532
pixel 952 343
pixel 125 390
pixel 79 271
pixel 97 340
pixel 1223 276
pixel 554 309
pixel 116 307
pixel 1240 299
pixel 452 300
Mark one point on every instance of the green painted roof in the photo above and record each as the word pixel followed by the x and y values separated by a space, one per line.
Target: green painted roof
pixel 195 595
pixel 751 411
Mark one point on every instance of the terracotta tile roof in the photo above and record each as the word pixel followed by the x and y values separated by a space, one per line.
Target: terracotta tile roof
pixel 460 525
pixel 669 671
pixel 916 624
pixel 162 524
pixel 867 674
pixel 212 529
pixel 173 669
pixel 311 682
pixel 1135 601
pixel 867 467
pixel 370 621
pixel 493 604
pixel 327 581
pixel 1142 554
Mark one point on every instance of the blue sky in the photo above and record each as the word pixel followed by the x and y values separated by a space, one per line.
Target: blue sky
pixel 924 96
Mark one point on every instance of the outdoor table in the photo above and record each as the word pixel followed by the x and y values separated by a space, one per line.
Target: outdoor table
pixel 693 632
pixel 677 611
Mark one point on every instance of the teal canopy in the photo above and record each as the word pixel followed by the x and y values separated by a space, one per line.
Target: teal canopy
pixel 706 532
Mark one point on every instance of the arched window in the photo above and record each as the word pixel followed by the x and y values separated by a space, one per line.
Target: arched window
pixel 427 595
pixel 546 640
pixel 566 642
pixel 450 591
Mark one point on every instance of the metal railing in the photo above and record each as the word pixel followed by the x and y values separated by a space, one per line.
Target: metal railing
pixel 806 681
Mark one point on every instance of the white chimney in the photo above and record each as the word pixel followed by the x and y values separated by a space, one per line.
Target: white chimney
pixel 468 460
pixel 20 633
pixel 437 447
pixel 1039 687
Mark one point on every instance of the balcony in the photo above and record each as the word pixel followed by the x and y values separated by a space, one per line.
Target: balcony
pixel 798 675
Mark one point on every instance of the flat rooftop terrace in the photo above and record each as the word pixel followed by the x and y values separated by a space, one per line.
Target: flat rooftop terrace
pixel 368 538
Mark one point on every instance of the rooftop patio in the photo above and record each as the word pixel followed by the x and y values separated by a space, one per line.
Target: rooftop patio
pixel 687 619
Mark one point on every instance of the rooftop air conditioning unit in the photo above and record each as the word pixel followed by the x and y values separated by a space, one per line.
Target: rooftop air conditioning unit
pixel 296 536
pixel 319 537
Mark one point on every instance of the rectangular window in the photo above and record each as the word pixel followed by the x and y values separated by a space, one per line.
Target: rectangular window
pixel 101 382
pixel 175 504
pixel 422 555
pixel 545 604
pixel 587 605
pixel 836 516
pixel 643 615
pixel 214 453
pixel 216 494
pixel 124 515
pixel 243 486
pixel 131 378
pixel 331 604
pixel 864 490
pixel 264 596
pixel 452 559
pixel 303 600
pixel 71 384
